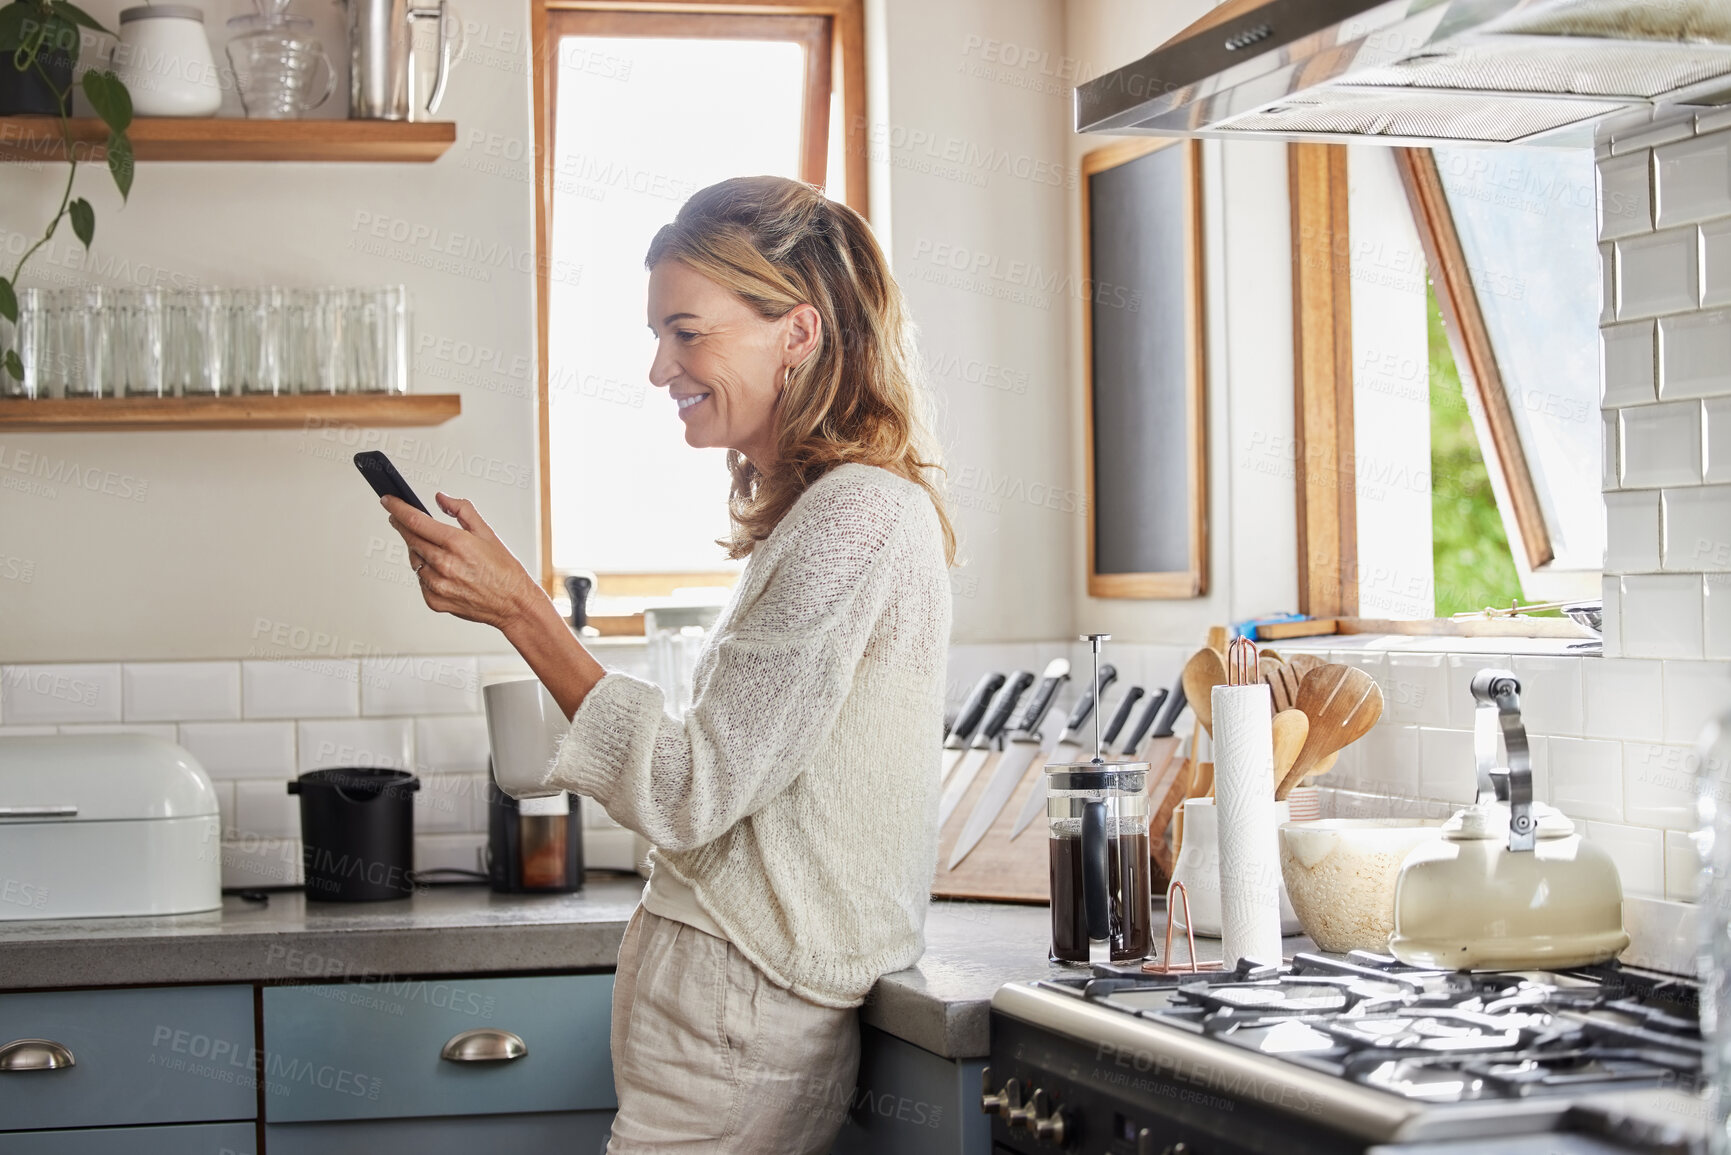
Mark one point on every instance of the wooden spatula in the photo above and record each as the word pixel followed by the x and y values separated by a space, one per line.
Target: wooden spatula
pixel 1282 682
pixel 1342 703
pixel 1291 727
pixel 1202 673
pixel 1302 664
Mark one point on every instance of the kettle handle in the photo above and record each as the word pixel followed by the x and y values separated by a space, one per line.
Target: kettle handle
pixel 1096 904
pixel 1498 695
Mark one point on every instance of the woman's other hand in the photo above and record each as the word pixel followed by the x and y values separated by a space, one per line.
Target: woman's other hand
pixel 464 569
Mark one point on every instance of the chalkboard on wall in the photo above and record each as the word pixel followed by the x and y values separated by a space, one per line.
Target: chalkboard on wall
pixel 1142 316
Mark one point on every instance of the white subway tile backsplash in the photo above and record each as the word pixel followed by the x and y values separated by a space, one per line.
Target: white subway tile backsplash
pixel 163 730
pixel 420 685
pixel 242 749
pixel 1657 274
pixel 1716 440
pixel 1660 132
pixel 453 745
pixel 450 852
pixel 1697 529
pixel 1692 180
pixel 1391 758
pixel 1628 364
pixel 34 695
pixel 1716 627
pixel 1682 867
pixel 1712 120
pixel 1695 355
pixel 1658 785
pixel 1586 777
pixel 388 742
pixel 1716 263
pixel 181 691
pixel 300 688
pixel 1550 694
pixel 265 810
pixel 1662 616
pixel 225 805
pixel 1695 692
pixel 261 862
pixel 1462 667
pixel 1607 283
pixel 1625 196
pixel 1638 852
pixel 28 731
pixel 1622 699
pixel 1611 623
pixel 1447 769
pixel 1632 531
pixel 1417 689
pixel 1661 445
pixel 445 803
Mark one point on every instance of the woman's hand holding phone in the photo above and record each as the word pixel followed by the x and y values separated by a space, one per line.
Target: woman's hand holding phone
pixel 464 569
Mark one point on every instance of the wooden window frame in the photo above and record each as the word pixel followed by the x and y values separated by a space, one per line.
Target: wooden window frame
pixel 1327 505
pixel 1470 341
pixel 837 24
pixel 1192 581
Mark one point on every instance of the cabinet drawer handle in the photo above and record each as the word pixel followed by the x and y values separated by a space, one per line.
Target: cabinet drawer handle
pixel 35 1055
pixel 484 1046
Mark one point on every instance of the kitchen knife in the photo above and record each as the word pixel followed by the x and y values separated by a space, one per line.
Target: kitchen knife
pixel 980 750
pixel 968 720
pixel 1070 742
pixel 1025 744
pixel 1144 722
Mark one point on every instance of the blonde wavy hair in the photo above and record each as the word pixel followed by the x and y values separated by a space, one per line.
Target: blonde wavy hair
pixel 777 243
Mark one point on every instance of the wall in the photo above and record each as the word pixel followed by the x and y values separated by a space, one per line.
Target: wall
pixel 232 545
pixel 1252 544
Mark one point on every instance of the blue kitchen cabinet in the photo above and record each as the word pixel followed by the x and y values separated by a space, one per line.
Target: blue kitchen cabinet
pixel 569 1133
pixel 911 1102
pixel 190 1139
pixel 360 1051
pixel 152 1055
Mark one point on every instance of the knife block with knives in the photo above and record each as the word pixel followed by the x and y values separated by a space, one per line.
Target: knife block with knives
pixel 992 842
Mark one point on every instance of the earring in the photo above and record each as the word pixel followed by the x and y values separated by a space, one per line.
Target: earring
pixel 787 377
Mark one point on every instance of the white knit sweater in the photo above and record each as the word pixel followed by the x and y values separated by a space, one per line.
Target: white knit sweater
pixel 798 796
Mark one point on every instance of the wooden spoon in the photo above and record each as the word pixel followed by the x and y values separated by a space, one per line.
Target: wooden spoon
pixel 1291 727
pixel 1343 703
pixel 1202 673
pixel 1282 682
pixel 1302 664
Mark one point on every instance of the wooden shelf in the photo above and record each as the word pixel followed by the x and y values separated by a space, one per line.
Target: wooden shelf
pixel 157 138
pixel 262 412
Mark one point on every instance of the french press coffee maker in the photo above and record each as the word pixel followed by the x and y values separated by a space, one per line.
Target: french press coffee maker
pixel 1097 826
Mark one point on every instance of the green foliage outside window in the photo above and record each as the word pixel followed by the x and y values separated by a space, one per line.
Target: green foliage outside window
pixel 1470 551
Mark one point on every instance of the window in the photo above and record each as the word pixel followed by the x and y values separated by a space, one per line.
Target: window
pixel 1461 336
pixel 641 109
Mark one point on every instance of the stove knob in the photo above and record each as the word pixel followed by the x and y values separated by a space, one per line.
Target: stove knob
pixel 1024 1116
pixel 1000 1102
pixel 1048 1124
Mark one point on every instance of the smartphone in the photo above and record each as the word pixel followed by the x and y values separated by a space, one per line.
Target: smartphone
pixel 385 479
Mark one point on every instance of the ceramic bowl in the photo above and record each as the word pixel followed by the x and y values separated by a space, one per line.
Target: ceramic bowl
pixel 1340 874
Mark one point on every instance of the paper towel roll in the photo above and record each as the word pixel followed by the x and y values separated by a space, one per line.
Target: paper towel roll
pixel 1249 850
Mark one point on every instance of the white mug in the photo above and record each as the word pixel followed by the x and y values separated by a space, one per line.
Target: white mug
pixel 524 728
pixel 164 60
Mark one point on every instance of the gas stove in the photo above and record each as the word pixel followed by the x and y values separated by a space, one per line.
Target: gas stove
pixel 1344 1055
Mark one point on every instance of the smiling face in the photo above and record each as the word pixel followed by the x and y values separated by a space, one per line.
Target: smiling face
pixel 722 363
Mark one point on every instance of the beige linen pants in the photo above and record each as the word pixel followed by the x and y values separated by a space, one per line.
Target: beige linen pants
pixel 709 1055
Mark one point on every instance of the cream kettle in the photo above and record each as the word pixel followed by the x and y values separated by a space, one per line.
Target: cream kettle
pixel 1510 885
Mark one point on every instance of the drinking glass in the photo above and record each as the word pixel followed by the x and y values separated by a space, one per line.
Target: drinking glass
pixel 62 345
pixel 89 334
pixel 328 342
pixel 362 341
pixel 193 338
pixel 393 305
pixel 134 324
pixel 17 338
pixel 299 341
pixel 254 353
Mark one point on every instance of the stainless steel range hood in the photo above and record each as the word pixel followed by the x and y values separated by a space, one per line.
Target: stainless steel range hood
pixel 1531 72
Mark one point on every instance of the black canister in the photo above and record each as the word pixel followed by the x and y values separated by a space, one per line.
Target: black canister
pixel 357 833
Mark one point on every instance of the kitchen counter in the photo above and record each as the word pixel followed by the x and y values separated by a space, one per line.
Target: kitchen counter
pixel 940 1004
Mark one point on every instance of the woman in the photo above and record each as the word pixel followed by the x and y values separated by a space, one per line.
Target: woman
pixel 792 809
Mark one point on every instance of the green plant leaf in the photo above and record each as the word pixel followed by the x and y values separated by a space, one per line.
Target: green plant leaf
pixel 76 15
pixel 108 96
pixel 14 366
pixel 13 17
pixel 83 219
pixel 120 162
pixel 8 301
